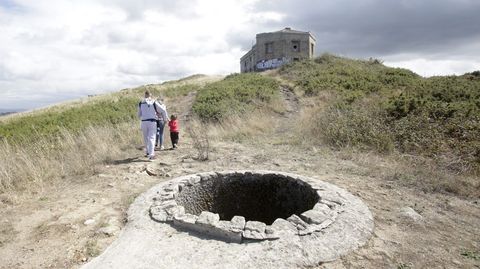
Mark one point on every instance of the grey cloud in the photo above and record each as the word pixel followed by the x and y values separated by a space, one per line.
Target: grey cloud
pixel 243 39
pixel 116 54
pixel 378 27
pixel 24 99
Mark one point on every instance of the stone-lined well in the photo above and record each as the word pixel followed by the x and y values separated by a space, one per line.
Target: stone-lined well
pixel 179 223
pixel 258 197
pixel 240 206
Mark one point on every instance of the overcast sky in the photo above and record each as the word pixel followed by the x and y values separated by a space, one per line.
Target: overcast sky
pixel 54 50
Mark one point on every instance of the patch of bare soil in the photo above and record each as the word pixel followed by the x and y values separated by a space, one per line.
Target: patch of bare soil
pixel 66 224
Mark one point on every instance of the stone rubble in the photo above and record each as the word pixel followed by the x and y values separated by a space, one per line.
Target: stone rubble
pixel 409 214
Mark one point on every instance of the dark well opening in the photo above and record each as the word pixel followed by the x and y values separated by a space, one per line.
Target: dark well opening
pixel 259 197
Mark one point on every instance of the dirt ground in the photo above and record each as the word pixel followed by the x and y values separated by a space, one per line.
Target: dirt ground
pixel 65 224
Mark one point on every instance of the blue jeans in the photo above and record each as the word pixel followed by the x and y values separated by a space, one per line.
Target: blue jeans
pixel 159 138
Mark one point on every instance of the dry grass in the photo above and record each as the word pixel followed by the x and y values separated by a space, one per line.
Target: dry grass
pixel 238 128
pixel 412 171
pixel 200 139
pixel 243 127
pixel 443 173
pixel 30 166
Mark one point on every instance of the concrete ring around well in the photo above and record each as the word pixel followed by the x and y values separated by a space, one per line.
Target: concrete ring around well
pixel 145 243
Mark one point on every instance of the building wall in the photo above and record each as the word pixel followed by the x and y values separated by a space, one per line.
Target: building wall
pixel 275 49
pixel 248 61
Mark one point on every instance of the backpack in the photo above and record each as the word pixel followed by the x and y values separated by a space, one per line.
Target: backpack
pixel 154 106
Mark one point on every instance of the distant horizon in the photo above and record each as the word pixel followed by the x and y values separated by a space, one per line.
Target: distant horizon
pixel 12 110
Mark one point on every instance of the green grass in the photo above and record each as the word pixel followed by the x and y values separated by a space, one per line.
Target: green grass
pixel 180 91
pixel 474 255
pixel 50 123
pixel 91 248
pixel 403 266
pixel 236 94
pixel 351 78
pixel 383 108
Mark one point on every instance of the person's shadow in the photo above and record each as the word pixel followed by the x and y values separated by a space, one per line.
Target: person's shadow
pixel 127 160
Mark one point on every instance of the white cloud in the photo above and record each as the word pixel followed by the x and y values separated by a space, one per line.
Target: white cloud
pixel 60 49
pixel 74 48
pixel 427 67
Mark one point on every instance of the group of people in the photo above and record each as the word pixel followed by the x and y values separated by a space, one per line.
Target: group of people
pixel 154 117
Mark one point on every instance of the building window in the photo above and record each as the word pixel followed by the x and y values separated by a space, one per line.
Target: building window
pixel 296 46
pixel 269 47
pixel 312 49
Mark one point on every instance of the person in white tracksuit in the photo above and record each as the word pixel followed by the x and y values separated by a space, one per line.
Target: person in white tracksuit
pixel 149 111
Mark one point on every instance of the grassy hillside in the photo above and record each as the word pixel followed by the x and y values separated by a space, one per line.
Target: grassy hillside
pixel 371 106
pixel 50 123
pixel 353 104
pixel 103 110
pixel 71 138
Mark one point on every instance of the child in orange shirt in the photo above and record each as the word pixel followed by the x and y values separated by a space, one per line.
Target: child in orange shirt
pixel 174 130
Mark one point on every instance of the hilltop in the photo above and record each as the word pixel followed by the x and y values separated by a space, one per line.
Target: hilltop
pixel 4 112
pixel 397 140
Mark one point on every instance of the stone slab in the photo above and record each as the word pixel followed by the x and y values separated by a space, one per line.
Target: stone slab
pixel 298 222
pixel 175 210
pixel 185 221
pixel 159 214
pixel 315 216
pixel 315 227
pixel 238 223
pixel 208 219
pixel 228 232
pixel 255 230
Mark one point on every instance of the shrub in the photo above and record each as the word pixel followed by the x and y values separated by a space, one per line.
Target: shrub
pixel 353 127
pixel 415 134
pixel 437 117
pixel 236 94
pixel 329 72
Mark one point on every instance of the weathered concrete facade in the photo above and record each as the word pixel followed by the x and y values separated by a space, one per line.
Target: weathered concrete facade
pixel 277 48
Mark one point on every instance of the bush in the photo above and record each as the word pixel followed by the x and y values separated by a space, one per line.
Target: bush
pixel 437 117
pixel 235 94
pixel 360 77
pixel 353 127
pixel 415 134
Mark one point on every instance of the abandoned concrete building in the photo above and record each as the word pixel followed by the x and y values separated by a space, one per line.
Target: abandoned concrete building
pixel 277 48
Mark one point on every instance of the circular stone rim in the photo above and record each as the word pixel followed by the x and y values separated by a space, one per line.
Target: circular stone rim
pixel 352 229
pixel 167 209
